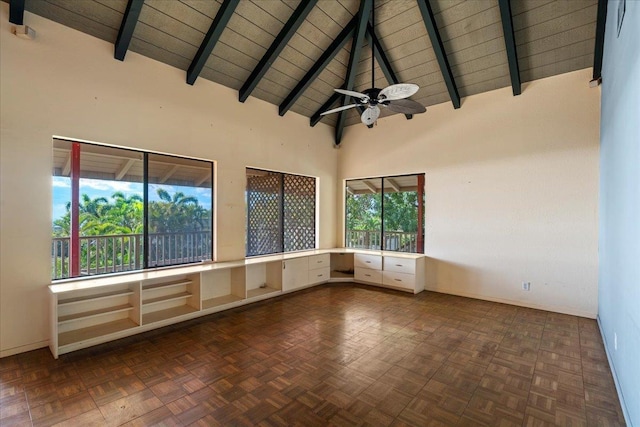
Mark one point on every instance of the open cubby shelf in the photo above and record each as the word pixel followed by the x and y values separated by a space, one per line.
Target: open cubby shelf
pixel 94 313
pixel 165 285
pixel 95 297
pixel 165 298
pixel 252 293
pixel 160 315
pixel 89 311
pixel 220 301
pixel 91 332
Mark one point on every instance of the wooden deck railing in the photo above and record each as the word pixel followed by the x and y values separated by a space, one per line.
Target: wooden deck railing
pixel 372 239
pixel 124 252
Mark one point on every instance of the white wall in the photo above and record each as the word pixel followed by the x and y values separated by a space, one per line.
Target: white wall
pixel 67 83
pixel 619 292
pixel 511 190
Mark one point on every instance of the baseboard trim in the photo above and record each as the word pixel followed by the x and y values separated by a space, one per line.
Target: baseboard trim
pixel 23 348
pixel 614 374
pixel 555 309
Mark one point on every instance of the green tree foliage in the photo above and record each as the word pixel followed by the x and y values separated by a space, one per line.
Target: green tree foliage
pixel 364 211
pixel 401 211
pixel 177 213
pixel 125 215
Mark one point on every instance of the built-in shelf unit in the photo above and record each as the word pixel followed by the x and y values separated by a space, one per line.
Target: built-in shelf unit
pixel 90 311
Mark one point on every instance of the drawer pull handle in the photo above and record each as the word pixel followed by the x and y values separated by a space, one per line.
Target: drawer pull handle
pixel 399 265
pixel 319 262
pixel 320 275
pixel 398 280
pixel 367 275
pixel 368 262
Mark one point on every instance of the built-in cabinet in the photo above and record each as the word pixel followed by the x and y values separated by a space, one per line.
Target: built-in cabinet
pixel 395 271
pixel 295 273
pixel 90 311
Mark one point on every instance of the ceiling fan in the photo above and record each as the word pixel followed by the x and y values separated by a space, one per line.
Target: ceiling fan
pixel 393 97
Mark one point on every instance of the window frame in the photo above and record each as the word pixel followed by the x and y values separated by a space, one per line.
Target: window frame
pixel 145 181
pixel 420 250
pixel 282 209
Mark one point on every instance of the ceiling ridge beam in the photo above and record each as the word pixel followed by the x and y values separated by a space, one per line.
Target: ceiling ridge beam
pixel 354 60
pixel 383 61
pixel 128 25
pixel 318 67
pixel 510 44
pixel 317 115
pixel 438 48
pixel 16 12
pixel 289 29
pixel 599 46
pixel 210 39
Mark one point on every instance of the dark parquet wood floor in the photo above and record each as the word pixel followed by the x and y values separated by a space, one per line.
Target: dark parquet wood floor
pixel 339 355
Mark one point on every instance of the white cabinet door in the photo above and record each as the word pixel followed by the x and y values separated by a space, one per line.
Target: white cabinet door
pixel 295 273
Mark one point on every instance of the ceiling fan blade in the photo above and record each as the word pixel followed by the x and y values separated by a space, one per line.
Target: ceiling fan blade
pixel 406 106
pixel 398 91
pixel 370 115
pixel 352 93
pixel 335 110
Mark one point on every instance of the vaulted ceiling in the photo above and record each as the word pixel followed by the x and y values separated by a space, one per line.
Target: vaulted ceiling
pixel 293 53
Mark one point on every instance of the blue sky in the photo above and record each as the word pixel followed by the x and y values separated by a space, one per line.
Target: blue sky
pixel 104 188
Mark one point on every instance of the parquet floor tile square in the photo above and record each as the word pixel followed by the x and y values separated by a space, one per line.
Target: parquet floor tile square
pixel 334 355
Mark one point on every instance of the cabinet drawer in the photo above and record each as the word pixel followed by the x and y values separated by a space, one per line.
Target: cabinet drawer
pixel 399 280
pixel 367 275
pixel 368 261
pixel 319 275
pixel 319 261
pixel 400 265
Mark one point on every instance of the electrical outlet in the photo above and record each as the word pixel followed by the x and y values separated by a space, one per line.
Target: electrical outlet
pixel 526 286
pixel 615 341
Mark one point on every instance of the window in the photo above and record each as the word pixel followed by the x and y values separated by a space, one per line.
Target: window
pixel 385 213
pixel 281 212
pixel 117 210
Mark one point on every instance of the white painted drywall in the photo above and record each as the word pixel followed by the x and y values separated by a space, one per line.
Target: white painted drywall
pixel 511 190
pixel 619 288
pixel 67 83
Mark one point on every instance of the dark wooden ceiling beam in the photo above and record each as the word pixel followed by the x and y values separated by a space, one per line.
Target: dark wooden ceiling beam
pixel 210 39
pixel 510 44
pixel 129 21
pixel 316 116
pixel 290 28
pixel 599 47
pixel 438 48
pixel 317 68
pixel 354 60
pixel 383 61
pixel 16 12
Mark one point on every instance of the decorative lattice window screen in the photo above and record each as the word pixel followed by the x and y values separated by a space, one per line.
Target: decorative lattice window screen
pixel 299 213
pixel 281 212
pixel 264 213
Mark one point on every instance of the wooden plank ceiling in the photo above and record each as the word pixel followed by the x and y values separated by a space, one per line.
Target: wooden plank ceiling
pixel 551 37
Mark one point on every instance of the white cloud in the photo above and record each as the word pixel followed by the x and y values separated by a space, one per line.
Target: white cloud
pixel 203 192
pixel 61 182
pixel 113 186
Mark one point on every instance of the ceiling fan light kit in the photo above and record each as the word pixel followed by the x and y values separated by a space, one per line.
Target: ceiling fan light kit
pixel 393 97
